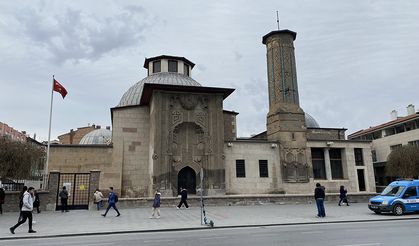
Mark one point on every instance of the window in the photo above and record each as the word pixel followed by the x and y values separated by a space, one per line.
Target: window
pixel 240 169
pixel 156 66
pixel 393 147
pixel 263 169
pixel 336 163
pixel 374 155
pixel 317 158
pixel 410 191
pixel 359 159
pixel 172 66
pixel 185 69
pixel 414 143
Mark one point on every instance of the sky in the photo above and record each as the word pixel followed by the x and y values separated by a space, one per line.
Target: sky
pixel 356 60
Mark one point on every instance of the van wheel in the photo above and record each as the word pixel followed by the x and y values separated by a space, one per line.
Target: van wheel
pixel 398 209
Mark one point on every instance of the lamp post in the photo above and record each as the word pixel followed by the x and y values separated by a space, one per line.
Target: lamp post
pixel 201 174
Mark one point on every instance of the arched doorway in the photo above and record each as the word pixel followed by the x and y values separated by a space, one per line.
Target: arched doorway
pixel 186 178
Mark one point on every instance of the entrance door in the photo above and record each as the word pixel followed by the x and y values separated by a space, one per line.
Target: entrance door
pixel 77 185
pixel 361 180
pixel 187 179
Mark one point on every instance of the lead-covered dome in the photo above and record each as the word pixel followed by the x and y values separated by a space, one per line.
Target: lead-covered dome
pixel 98 136
pixel 311 122
pixel 133 95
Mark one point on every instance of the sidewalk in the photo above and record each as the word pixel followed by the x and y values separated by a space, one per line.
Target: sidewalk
pixel 88 222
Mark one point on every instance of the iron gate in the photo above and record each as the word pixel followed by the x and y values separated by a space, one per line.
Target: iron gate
pixel 77 185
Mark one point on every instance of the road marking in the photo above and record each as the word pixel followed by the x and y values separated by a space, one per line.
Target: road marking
pixel 362 244
pixel 265 235
pixel 159 241
pixel 206 238
pixel 312 232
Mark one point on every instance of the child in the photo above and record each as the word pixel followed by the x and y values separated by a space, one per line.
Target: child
pixel 156 205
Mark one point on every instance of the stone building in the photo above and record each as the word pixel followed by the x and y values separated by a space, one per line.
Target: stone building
pixel 388 136
pixel 168 129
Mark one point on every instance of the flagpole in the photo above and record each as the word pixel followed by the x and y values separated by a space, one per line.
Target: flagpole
pixel 49 129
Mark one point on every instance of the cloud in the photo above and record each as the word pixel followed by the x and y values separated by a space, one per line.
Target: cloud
pixel 74 34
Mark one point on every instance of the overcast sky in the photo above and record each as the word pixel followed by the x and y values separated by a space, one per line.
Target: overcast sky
pixel 356 60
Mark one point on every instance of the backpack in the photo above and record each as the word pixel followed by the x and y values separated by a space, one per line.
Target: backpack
pixel 116 198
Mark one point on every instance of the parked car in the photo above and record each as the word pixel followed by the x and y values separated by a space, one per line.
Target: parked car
pixel 398 197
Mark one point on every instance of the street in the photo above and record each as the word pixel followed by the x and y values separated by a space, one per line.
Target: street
pixel 336 234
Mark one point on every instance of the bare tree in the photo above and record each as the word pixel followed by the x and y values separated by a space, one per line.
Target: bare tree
pixel 18 159
pixel 403 162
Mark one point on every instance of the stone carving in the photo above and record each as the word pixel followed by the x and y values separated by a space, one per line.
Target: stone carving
pixel 188 101
pixel 176 117
pixel 295 168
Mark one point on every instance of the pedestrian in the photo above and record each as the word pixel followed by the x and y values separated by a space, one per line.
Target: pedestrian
pixel 98 199
pixel 112 200
pixel 2 197
pixel 343 197
pixel 36 202
pixel 183 198
pixel 320 195
pixel 64 199
pixel 26 211
pixel 156 205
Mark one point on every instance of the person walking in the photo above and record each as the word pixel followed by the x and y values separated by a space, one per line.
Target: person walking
pixel 112 200
pixel 98 199
pixel 2 197
pixel 343 197
pixel 36 202
pixel 64 199
pixel 26 211
pixel 156 205
pixel 320 195
pixel 183 198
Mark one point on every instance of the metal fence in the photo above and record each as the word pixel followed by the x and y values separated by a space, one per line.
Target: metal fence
pixel 38 182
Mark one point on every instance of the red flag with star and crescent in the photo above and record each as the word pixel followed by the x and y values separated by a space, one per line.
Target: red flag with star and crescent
pixel 59 88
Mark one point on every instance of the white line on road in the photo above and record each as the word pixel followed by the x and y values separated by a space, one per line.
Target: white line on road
pixel 362 244
pixel 312 232
pixel 159 241
pixel 207 238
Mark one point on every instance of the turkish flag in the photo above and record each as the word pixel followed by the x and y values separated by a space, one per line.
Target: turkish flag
pixel 59 88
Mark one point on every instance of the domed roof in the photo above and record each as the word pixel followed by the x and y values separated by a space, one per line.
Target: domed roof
pixel 133 94
pixel 311 122
pixel 98 136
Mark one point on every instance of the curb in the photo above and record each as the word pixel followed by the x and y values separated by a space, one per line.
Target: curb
pixel 199 228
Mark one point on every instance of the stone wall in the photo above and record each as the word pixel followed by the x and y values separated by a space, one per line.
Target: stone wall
pixel 131 152
pixel 230 127
pixel 252 152
pixel 329 134
pixel 47 198
pixel 82 159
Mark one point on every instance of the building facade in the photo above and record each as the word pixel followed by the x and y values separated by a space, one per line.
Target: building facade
pixel 388 136
pixel 169 131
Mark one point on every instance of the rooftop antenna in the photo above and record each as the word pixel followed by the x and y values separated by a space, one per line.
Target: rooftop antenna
pixel 277 19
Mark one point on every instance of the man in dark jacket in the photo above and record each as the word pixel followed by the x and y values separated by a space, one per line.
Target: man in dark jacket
pixel 64 199
pixel 183 198
pixel 320 195
pixel 112 200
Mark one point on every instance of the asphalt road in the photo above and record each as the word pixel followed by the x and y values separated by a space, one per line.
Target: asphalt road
pixel 340 234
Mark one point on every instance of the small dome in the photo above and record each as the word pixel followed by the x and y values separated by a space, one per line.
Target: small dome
pixel 99 136
pixel 133 94
pixel 311 122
